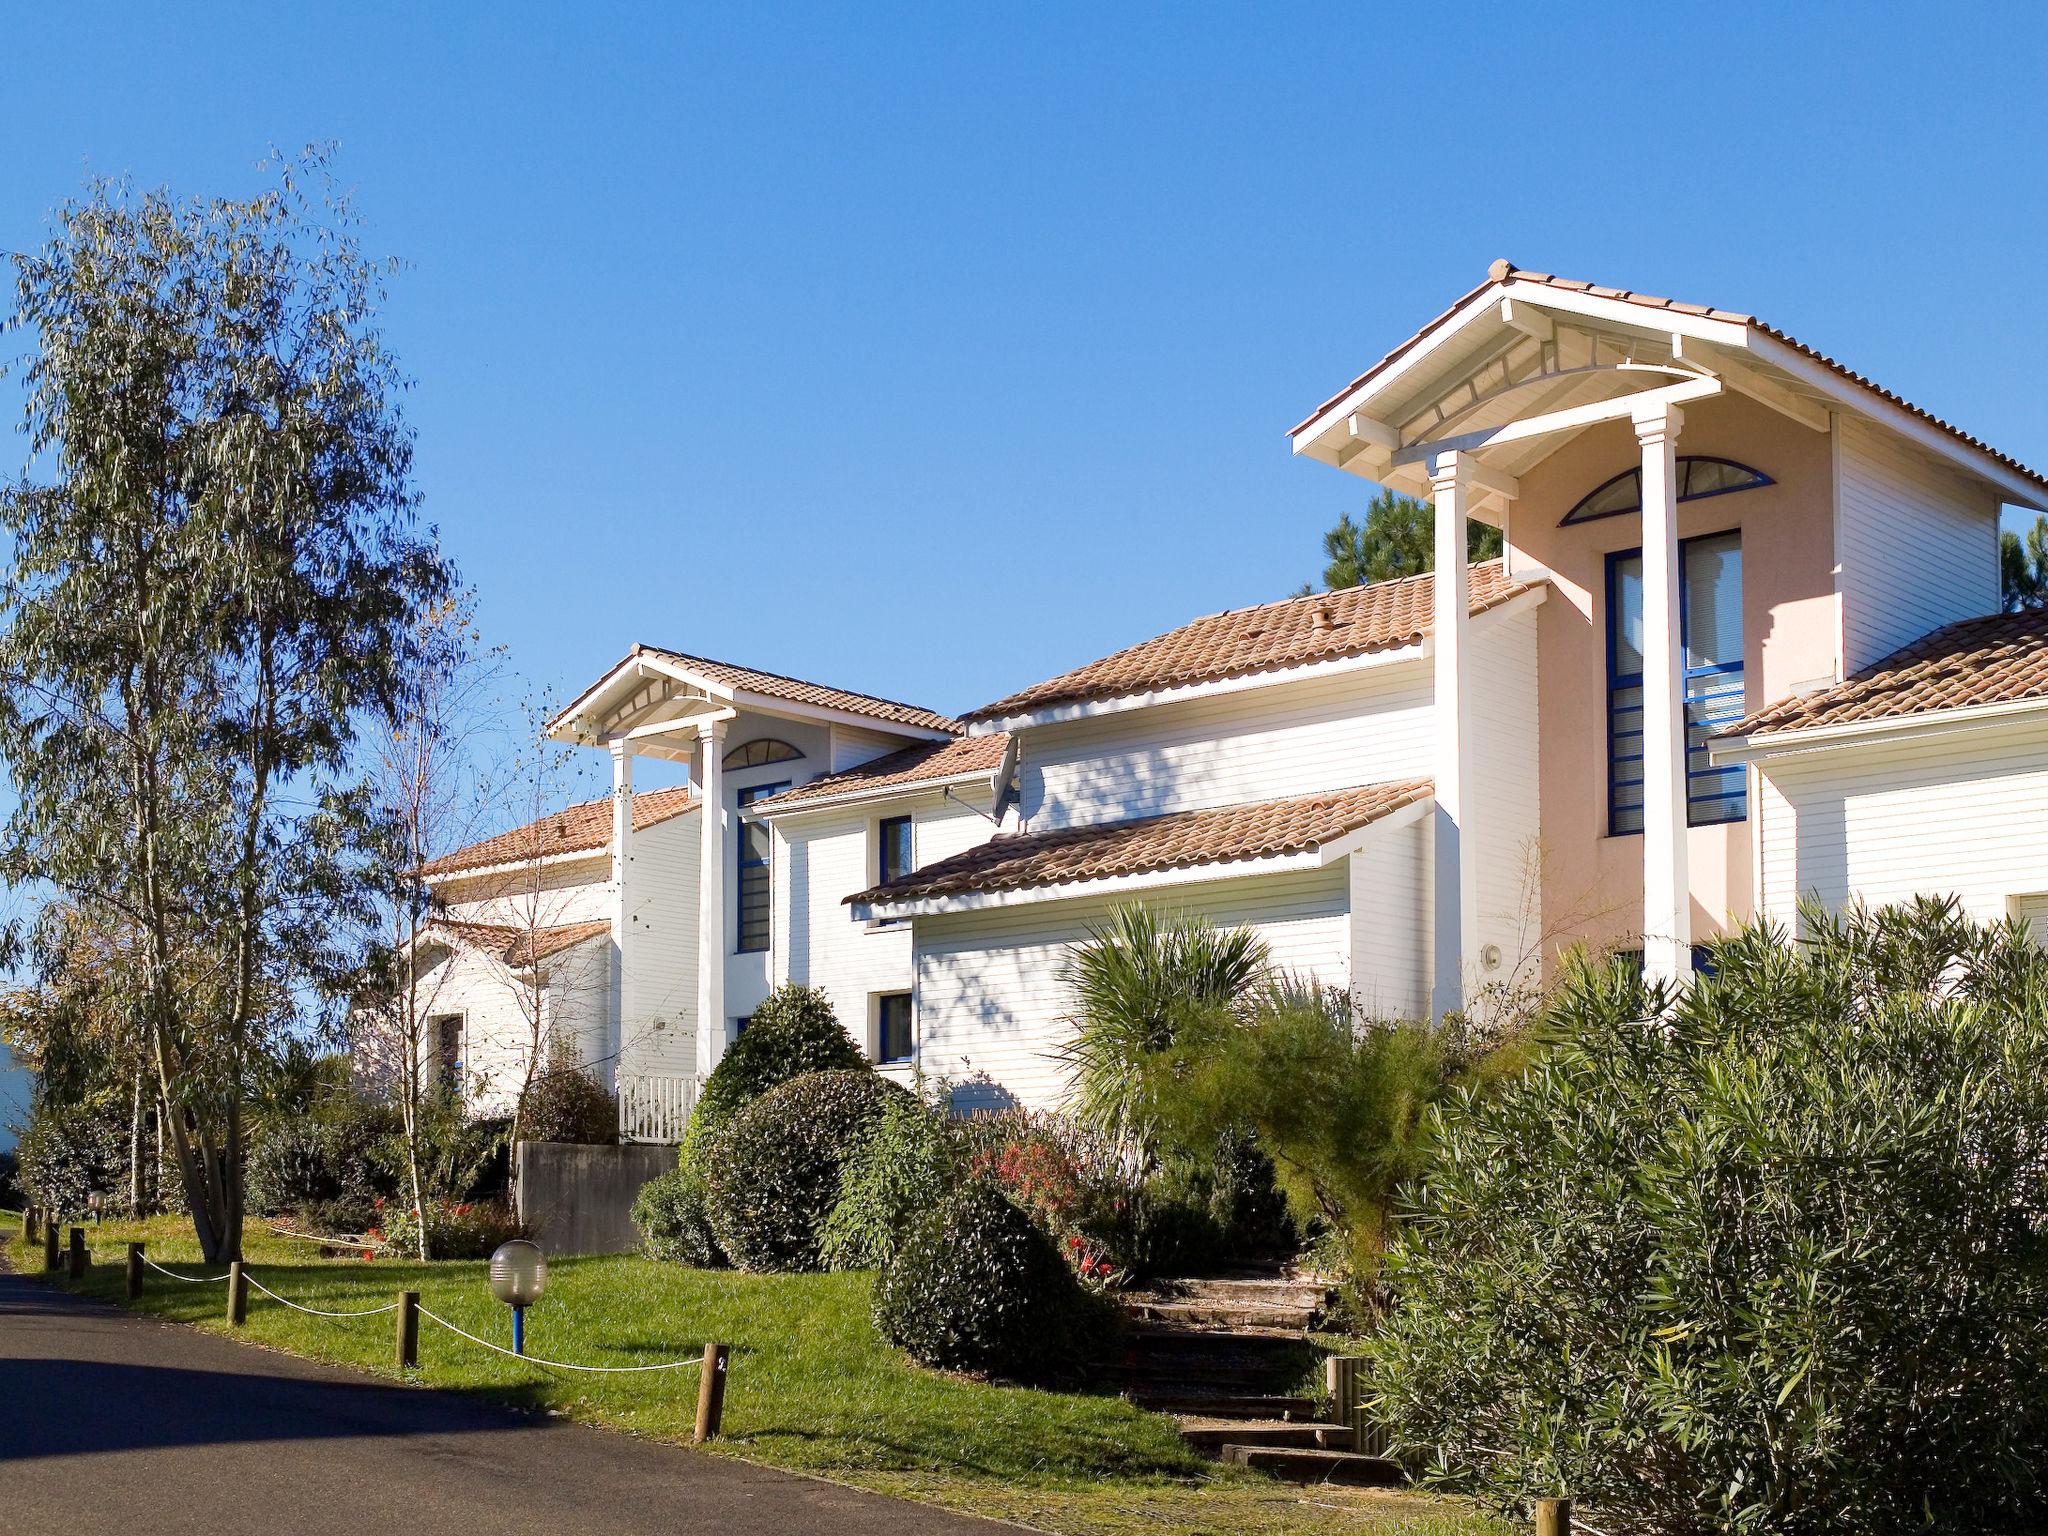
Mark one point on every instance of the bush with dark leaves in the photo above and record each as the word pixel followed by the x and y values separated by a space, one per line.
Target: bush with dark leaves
pixel 773 1175
pixel 977 1286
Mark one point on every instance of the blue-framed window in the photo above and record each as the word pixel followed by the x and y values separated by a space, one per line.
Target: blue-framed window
pixel 1698 477
pixel 1710 629
pixel 895 1029
pixel 755 917
pixel 892 855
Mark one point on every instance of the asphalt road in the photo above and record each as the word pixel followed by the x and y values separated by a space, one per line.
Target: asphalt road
pixel 115 1422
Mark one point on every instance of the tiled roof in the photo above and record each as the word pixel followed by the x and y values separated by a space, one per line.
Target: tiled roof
pixel 1999 659
pixel 580 829
pixel 913 765
pixel 1505 271
pixel 1182 840
pixel 1322 626
pixel 795 690
pixel 520 947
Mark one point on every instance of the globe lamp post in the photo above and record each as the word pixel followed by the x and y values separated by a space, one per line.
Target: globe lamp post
pixel 519 1273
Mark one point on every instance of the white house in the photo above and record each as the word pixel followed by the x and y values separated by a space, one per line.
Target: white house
pixel 584 931
pixel 1737 650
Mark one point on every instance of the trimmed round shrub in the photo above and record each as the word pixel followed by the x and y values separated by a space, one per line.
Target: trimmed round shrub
pixel 567 1104
pixel 669 1211
pixel 976 1286
pixel 794 1032
pixel 773 1176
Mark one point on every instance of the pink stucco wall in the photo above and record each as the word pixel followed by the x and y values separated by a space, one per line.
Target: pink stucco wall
pixel 1593 883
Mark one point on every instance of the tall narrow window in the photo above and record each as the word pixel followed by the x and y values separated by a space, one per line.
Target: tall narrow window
pixel 1710 629
pixel 895 1035
pixel 892 855
pixel 756 912
pixel 447 1036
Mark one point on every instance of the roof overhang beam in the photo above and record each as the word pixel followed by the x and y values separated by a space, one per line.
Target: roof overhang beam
pixel 1571 419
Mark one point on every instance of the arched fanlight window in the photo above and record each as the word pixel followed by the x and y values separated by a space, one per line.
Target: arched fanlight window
pixel 760 752
pixel 1698 476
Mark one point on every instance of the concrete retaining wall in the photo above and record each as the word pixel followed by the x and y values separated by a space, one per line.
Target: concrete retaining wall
pixel 580 1199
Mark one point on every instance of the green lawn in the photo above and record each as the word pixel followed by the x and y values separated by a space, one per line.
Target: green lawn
pixel 812 1387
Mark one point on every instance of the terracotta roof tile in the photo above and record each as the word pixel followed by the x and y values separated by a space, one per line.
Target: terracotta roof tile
pixel 520 947
pixel 579 829
pixel 1999 659
pixel 1182 840
pixel 1320 627
pixel 796 691
pixel 1504 271
pixel 913 765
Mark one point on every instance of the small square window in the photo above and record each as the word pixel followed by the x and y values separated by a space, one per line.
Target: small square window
pixel 895 1032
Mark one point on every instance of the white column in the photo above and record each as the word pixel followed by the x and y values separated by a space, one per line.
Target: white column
pixel 621 915
pixel 713 899
pixel 1667 905
pixel 1456 892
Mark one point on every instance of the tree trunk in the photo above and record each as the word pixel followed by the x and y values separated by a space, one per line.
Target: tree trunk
pixel 135 1191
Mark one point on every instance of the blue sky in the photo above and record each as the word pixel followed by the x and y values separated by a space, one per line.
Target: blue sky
pixel 931 350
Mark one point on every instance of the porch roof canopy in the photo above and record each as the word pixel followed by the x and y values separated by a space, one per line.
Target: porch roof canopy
pixel 1105 858
pixel 654 699
pixel 1525 361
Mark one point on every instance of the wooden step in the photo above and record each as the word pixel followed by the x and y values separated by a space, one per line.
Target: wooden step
pixel 1176 1397
pixel 1227 1314
pixel 1209 1436
pixel 1308 1466
pixel 1286 1293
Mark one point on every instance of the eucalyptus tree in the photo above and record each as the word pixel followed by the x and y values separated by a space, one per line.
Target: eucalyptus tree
pixel 216 577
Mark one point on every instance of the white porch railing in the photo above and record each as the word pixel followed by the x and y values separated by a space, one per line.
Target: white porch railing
pixel 655 1108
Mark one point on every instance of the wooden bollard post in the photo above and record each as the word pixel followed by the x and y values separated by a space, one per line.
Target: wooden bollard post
pixel 238 1294
pixel 134 1271
pixel 711 1393
pixel 28 1224
pixel 76 1266
pixel 1553 1517
pixel 408 1340
pixel 49 1244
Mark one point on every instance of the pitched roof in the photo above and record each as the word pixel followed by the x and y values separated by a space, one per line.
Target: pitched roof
pixel 583 828
pixel 2001 658
pixel 1180 840
pixel 923 763
pixel 795 690
pixel 1506 271
pixel 1322 626
pixel 519 947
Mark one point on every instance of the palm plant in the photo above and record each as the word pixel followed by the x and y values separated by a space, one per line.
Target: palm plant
pixel 1141 983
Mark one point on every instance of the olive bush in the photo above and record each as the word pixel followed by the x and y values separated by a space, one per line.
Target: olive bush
pixel 773 1175
pixel 1771 1255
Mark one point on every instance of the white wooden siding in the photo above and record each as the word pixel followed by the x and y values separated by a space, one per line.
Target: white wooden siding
pixel 853 745
pixel 1955 815
pixel 660 1038
pixel 1918 548
pixel 1392 886
pixel 823 858
pixel 992 1010
pixel 1360 727
pixel 576 891
pixel 498 1026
